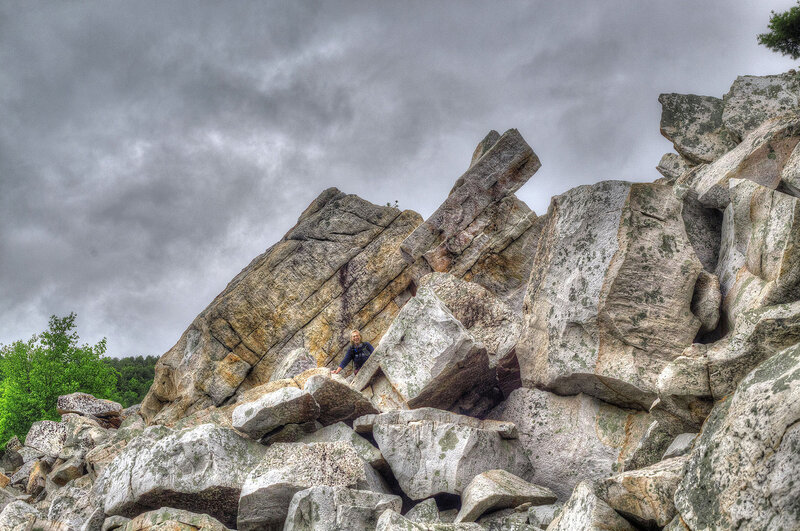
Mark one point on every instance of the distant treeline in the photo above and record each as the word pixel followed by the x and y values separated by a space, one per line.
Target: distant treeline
pixel 134 377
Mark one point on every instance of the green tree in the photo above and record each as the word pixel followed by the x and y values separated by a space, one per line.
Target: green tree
pixel 784 34
pixel 135 377
pixel 36 372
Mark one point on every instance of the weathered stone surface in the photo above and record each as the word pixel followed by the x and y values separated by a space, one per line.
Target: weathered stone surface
pixel 707 301
pixel 425 512
pixel 20 477
pixel 338 268
pixel 338 402
pixel 755 99
pixel 47 437
pixel 86 404
pixel 115 522
pixel 197 469
pixel 13 444
pixel 288 468
pixel 11 461
pixel 757 335
pixel 426 358
pixel 742 470
pixel 273 410
pixel 651 446
pixel 392 521
pixel 169 519
pixel 433 452
pixel 703 228
pixel 499 489
pixel 684 390
pixel 324 508
pixel 609 298
pixel 17 516
pixel 694 126
pixel 341 432
pixel 540 516
pixel 72 506
pixel 790 175
pixel 67 471
pixel 760 158
pixel 570 438
pixel 506 520
pixel 645 495
pixel 37 478
pixel 672 166
pixel 682 445
pixel 295 362
pixel 586 511
pixel 29 454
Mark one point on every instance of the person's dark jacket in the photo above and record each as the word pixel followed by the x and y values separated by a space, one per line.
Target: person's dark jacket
pixel 358 355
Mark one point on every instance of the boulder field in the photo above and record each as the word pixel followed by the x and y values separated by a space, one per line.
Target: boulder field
pixel 628 360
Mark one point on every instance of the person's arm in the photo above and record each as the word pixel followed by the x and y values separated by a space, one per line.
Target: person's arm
pixel 345 361
pixel 369 347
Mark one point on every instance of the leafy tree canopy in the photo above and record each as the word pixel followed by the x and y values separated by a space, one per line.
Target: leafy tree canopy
pixel 784 34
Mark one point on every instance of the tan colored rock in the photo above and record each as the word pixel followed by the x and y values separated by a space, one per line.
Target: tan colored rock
pixel 694 125
pixel 707 301
pixel 499 489
pixel 37 478
pixel 790 175
pixel 87 405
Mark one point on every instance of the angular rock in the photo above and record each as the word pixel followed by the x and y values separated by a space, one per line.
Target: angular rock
pixel 433 452
pixel 790 175
pixel 425 512
pixel 540 516
pixel 506 520
pixel 115 522
pixel 18 515
pixel 67 471
pixel 338 268
pixel 324 508
pixel 672 166
pixel 340 432
pixel 29 454
pixel 13 444
pixel 294 363
pixel 609 298
pixel 694 126
pixel 703 227
pixel 20 477
pixel 742 470
pixel 760 158
pixel 651 446
pixel 168 519
pixel 426 358
pixel 499 489
pixel 197 469
pixel 288 468
pixel 47 437
pixel 338 402
pixel 37 479
pixel 87 405
pixel 569 439
pixel 72 506
pixel 684 390
pixel 755 99
pixel 273 410
pixel 682 445
pixel 11 461
pixel 392 521
pixel 645 495
pixel 586 511
pixel 707 301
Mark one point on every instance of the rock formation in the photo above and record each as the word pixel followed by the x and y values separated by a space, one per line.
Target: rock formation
pixel 628 360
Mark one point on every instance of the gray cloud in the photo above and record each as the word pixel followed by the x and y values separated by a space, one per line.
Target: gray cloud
pixel 149 151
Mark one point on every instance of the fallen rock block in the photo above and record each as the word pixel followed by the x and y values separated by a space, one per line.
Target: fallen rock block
pixel 425 512
pixel 672 166
pixel 584 510
pixel 47 437
pixel 341 432
pixel 694 126
pixel 682 445
pixel 295 362
pixel 168 519
pixel 752 100
pixel 289 405
pixel 392 521
pixel 87 405
pixel 338 402
pixel 18 515
pixel 498 489
pixel 324 508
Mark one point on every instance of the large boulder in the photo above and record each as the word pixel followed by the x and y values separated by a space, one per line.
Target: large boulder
pixel 292 364
pixel 47 437
pixel 609 299
pixel 694 126
pixel 169 519
pixel 341 432
pixel 392 521
pixel 85 404
pixel 18 516
pixel 338 402
pixel 73 505
pixel 432 451
pixel 499 489
pixel 288 468
pixel 586 511
pixel 324 508
pixel 752 100
pixel 742 470
pixel 427 358
pixel 672 166
pixel 198 469
pixel 289 405
pixel 571 438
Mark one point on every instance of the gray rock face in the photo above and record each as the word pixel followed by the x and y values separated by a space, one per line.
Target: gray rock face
pixel 741 471
pixel 499 489
pixel 694 126
pixel 570 438
pixel 755 99
pixel 288 405
pixel 432 452
pixel 590 326
pixel 197 469
pixel 586 511
pixel 340 432
pixel 707 301
pixel 645 495
pixel 338 509
pixel 294 363
pixel 338 402
pixel 87 405
pixel 167 518
pixel 426 358
pixel 288 468
pixel 425 512
pixel 72 506
pixel 790 175
pixel 672 166
pixel 18 515
pixel 392 521
pixel 47 437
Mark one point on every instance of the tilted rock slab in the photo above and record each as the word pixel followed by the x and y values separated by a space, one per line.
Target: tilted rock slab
pixel 755 99
pixel 47 437
pixel 392 521
pixel 645 495
pixel 587 512
pixel 672 166
pixel 288 468
pixel 338 268
pixel 499 489
pixel 197 469
pixel 694 126
pixel 609 299
pixel 86 404
pixel 338 402
pixel 426 358
pixel 570 438
pixel 289 405
pixel 341 432
pixel 168 519
pixel 742 472
pixel 432 451
pixel 294 363
pixel 325 508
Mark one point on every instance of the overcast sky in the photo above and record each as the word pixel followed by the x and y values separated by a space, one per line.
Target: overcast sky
pixel 150 150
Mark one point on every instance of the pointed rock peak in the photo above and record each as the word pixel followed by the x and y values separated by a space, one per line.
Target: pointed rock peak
pixel 484 145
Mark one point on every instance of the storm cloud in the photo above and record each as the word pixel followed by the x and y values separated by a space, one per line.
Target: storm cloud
pixel 149 150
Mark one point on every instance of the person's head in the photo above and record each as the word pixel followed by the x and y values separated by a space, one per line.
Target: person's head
pixel 355 337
